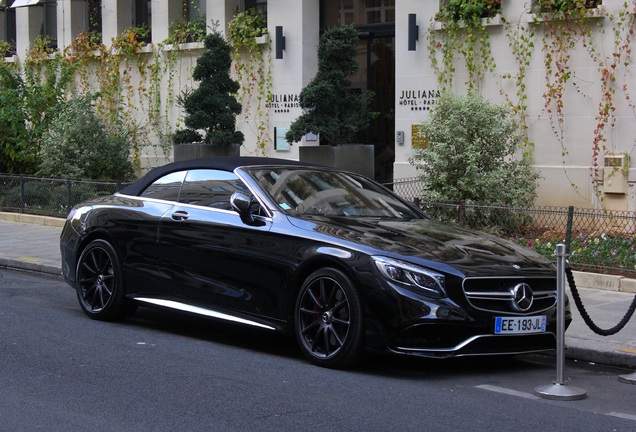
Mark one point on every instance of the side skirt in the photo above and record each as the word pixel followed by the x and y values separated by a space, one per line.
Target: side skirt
pixel 202 311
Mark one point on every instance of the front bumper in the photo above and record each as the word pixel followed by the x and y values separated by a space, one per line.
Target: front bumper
pixel 405 322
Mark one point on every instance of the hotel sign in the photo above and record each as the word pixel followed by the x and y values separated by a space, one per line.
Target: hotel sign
pixel 418 100
pixel 283 102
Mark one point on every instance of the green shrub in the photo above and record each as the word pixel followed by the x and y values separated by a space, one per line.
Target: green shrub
pixel 28 102
pixel 79 145
pixel 470 157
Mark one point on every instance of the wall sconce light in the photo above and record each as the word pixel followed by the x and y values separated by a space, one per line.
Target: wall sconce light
pixel 414 31
pixel 280 42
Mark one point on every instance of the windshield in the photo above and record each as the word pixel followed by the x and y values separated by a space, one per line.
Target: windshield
pixel 305 191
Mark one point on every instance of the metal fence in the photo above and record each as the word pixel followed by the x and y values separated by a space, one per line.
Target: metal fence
pixel 48 196
pixel 599 240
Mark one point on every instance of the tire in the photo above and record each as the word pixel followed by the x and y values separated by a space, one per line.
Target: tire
pixel 100 288
pixel 328 319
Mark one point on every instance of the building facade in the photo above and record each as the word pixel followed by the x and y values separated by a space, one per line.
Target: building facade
pixel 570 81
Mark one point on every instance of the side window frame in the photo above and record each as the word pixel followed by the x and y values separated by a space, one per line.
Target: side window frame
pixel 166 188
pixel 210 188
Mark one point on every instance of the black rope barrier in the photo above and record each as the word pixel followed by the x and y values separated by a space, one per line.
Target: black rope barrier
pixel 586 317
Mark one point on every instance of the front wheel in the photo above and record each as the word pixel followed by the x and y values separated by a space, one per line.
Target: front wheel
pixel 329 321
pixel 100 288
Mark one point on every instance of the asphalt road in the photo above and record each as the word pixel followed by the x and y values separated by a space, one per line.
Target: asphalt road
pixel 61 371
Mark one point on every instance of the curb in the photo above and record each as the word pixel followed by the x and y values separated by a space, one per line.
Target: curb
pixel 32 219
pixel 31 266
pixel 605 282
pixel 608 358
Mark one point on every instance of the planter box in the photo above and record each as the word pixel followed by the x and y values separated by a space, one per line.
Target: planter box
pixel 358 158
pixel 198 151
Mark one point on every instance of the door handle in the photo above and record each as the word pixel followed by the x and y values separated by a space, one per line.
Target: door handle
pixel 180 215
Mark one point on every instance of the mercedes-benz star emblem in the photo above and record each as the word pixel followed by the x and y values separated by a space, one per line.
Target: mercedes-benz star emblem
pixel 522 297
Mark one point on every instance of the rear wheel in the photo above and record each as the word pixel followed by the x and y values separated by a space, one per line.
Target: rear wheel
pixel 328 319
pixel 100 289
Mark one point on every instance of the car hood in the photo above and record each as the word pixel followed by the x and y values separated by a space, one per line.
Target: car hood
pixel 441 246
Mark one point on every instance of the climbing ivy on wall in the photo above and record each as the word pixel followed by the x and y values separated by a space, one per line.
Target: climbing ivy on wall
pixel 135 83
pixel 252 69
pixel 557 31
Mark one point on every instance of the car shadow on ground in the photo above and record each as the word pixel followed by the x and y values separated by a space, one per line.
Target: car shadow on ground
pixel 283 345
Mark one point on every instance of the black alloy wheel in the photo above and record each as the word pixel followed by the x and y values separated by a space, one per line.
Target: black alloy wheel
pixel 100 289
pixel 328 319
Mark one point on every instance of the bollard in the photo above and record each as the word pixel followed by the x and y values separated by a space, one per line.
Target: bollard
pixel 559 389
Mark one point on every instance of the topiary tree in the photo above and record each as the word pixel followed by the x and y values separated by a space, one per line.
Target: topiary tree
pixel 79 145
pixel 211 107
pixel 470 156
pixel 330 107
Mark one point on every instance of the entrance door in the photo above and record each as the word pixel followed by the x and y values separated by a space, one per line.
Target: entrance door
pixel 379 71
pixel 375 22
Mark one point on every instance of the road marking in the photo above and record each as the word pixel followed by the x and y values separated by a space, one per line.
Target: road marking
pixel 524 395
pixel 628 350
pixel 29 259
pixel 506 391
pixel 623 415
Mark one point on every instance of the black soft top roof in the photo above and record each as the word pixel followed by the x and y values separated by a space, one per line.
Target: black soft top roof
pixel 218 163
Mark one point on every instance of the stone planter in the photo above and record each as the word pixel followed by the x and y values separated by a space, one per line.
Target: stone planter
pixel 199 150
pixel 358 158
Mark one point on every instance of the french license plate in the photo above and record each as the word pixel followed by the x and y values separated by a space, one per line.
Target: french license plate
pixel 518 325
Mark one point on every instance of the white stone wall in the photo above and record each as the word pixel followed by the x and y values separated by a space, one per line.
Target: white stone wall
pixel 561 163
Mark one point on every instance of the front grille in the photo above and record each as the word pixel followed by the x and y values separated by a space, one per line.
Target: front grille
pixel 496 294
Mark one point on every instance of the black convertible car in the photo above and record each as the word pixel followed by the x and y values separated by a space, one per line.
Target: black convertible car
pixel 330 256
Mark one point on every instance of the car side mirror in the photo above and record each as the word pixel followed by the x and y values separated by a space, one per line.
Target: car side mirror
pixel 241 203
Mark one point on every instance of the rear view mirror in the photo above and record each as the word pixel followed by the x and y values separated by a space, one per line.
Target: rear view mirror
pixel 242 203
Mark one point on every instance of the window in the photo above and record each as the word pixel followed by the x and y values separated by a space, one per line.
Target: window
pixel 141 13
pixel 94 16
pixel 193 10
pixel 210 188
pixel 49 21
pixel 358 12
pixel 142 16
pixel 188 23
pixel 7 26
pixel 166 188
pixel 259 5
pixel 380 11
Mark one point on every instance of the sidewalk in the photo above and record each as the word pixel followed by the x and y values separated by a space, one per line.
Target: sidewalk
pixel 32 243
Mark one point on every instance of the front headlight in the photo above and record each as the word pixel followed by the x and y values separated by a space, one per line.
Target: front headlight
pixel 411 275
pixel 77 217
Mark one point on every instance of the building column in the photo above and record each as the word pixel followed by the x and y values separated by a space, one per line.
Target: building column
pixel 164 13
pixel 71 20
pixel 219 13
pixel 28 22
pixel 116 17
pixel 298 65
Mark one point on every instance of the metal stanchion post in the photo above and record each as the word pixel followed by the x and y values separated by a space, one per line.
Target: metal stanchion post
pixel 559 390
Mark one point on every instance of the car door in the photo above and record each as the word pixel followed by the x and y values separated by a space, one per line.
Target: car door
pixel 135 226
pixel 211 258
